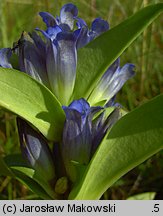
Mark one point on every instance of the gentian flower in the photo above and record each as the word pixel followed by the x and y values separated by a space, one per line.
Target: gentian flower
pixel 111 82
pixel 36 152
pixel 82 133
pixel 52 60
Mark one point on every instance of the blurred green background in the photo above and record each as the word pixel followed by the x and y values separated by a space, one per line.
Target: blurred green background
pixel 146 53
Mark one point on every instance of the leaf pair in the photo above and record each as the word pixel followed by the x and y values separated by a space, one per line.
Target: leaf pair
pixel 14 166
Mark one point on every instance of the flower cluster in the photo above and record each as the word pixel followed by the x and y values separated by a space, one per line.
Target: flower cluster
pixel 51 58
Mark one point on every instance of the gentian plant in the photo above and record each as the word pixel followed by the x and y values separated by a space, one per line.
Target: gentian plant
pixel 75 139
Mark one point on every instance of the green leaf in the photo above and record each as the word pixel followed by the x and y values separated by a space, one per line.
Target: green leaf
pixel 133 139
pixel 16 160
pixel 33 175
pixel 31 184
pixel 4 170
pixel 32 101
pixel 143 196
pixel 97 56
pixel 27 175
pixel 22 171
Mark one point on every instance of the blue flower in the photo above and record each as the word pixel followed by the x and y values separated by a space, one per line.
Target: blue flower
pixel 82 133
pixel 61 47
pixel 36 151
pixel 31 54
pixel 111 82
pixel 61 54
pixel 84 35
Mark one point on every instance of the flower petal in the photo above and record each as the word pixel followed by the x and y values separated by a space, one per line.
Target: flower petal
pixel 111 82
pixel 73 115
pixel 31 60
pixel 53 31
pixel 45 34
pixel 80 23
pixel 48 19
pixel 40 44
pixel 109 75
pixel 81 105
pixel 61 65
pixel 68 13
pixel 51 65
pixel 82 33
pixel 119 78
pixel 82 36
pixel 97 94
pixel 5 55
pixel 99 26
pixel 76 144
pixel 65 27
pixel 101 125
